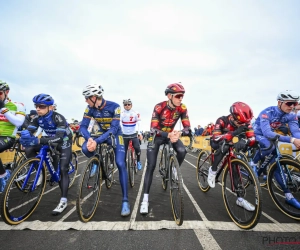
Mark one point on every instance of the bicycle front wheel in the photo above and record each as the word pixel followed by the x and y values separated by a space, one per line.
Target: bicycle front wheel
pixel 21 196
pixel 73 168
pixel 89 189
pixel 130 167
pixel 291 172
pixel 163 168
pixel 176 190
pixel 242 202
pixel 203 164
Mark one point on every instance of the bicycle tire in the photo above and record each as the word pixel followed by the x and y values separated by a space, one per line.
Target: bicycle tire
pixel 277 193
pixel 18 204
pixel 135 162
pixel 163 168
pixel 130 167
pixel 240 216
pixel 203 164
pixel 85 206
pixel 109 171
pixel 73 168
pixel 176 190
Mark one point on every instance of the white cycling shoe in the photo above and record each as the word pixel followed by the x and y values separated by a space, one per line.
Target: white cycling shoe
pixel 211 178
pixel 60 208
pixel 245 204
pixel 144 207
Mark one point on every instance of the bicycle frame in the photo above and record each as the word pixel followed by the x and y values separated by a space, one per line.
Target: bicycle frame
pixel 130 146
pixel 44 156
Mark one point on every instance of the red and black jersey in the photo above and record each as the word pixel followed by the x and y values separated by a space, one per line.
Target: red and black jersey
pixel 224 129
pixel 164 118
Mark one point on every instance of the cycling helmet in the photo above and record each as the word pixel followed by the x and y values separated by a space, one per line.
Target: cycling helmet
pixel 127 101
pixel 3 86
pixel 43 99
pixel 93 90
pixel 288 95
pixel 241 112
pixel 174 88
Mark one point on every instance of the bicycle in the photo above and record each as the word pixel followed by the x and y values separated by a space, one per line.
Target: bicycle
pixel 238 180
pixel 89 188
pixel 131 163
pixel 19 155
pixel 26 185
pixel 170 171
pixel 289 173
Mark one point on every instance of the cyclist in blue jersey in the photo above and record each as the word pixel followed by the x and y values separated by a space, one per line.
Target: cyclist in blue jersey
pixel 271 119
pixel 58 131
pixel 107 115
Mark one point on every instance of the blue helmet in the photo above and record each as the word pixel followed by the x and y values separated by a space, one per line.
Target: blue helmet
pixel 43 99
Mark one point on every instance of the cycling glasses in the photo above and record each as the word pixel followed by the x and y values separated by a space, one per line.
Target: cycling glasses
pixel 291 103
pixel 178 96
pixel 127 104
pixel 40 106
pixel 1 92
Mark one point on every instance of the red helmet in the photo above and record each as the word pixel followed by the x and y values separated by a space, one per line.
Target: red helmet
pixel 174 88
pixel 241 112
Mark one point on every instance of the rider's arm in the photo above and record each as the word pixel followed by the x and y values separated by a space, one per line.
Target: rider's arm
pixel 16 118
pixel 185 120
pixel 114 126
pixel 218 134
pixel 38 132
pixel 294 128
pixel 85 123
pixel 138 121
pixel 267 131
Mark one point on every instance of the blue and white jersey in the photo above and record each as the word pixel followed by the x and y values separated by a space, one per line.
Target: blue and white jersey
pixel 130 122
pixel 272 118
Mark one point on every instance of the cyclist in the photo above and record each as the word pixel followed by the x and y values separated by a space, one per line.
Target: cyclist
pixel 130 125
pixel 163 121
pixel 12 116
pixel 107 115
pixel 225 129
pixel 57 130
pixel 265 125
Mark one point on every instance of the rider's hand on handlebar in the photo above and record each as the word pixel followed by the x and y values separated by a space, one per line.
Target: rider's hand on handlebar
pixel 297 143
pixel 174 136
pixel 91 145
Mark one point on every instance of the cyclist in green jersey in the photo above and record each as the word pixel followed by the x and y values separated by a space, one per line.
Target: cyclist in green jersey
pixel 12 116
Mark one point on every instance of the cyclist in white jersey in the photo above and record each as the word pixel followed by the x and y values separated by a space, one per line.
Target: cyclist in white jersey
pixel 12 116
pixel 130 126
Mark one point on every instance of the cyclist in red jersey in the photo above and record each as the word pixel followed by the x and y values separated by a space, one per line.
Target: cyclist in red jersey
pixel 226 127
pixel 164 118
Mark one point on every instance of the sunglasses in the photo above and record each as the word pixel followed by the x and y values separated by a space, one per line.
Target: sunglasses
pixel 127 104
pixel 291 103
pixel 178 96
pixel 40 106
pixel 1 92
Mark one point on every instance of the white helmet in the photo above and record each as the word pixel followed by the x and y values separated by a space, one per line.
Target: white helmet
pixel 127 101
pixel 93 90
pixel 54 106
pixel 288 95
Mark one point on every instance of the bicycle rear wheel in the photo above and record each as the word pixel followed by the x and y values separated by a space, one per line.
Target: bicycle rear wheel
pixel 109 167
pixel 73 168
pixel 234 190
pixel 203 164
pixel 130 167
pixel 293 184
pixel 176 190
pixel 19 199
pixel 89 189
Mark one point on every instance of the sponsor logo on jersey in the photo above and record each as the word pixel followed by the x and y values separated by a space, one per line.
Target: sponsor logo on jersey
pixel 117 111
pixel 264 116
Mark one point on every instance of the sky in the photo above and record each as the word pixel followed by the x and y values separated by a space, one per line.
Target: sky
pixel 221 52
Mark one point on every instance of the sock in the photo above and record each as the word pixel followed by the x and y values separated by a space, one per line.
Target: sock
pixel 146 198
pixel 63 199
pixel 211 171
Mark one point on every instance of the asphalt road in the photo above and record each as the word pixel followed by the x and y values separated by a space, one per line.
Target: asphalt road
pixel 206 224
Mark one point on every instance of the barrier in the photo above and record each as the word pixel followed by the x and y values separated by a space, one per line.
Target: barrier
pixel 201 142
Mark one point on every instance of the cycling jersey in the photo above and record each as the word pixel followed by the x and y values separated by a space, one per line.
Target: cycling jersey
pixel 164 118
pixel 130 122
pixel 271 119
pixel 54 125
pixel 12 116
